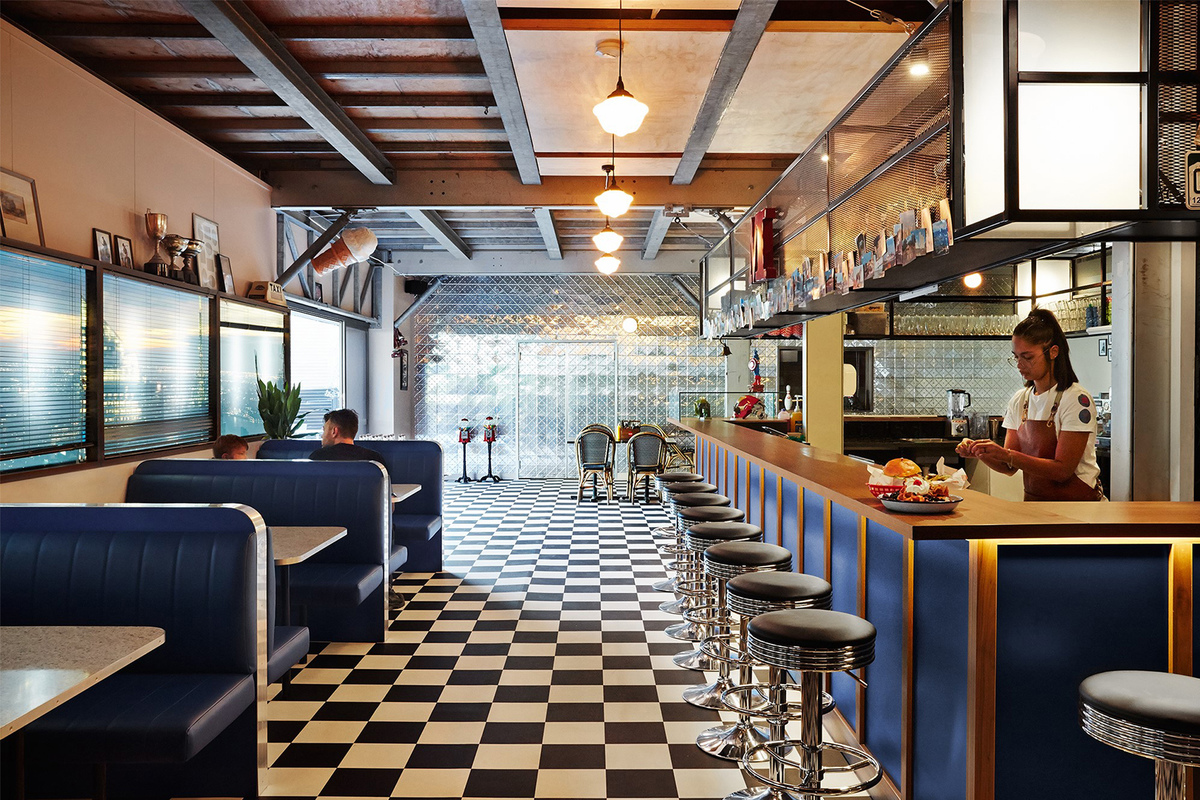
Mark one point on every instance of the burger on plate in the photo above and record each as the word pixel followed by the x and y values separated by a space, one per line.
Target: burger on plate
pixel 901 468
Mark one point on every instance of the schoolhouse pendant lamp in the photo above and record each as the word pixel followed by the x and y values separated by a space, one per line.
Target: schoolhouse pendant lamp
pixel 620 113
pixel 608 263
pixel 613 201
pixel 608 240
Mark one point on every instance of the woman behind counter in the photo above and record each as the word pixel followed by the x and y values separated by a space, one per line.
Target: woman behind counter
pixel 1050 424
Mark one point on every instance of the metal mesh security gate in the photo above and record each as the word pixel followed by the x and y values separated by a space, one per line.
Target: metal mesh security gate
pixel 562 386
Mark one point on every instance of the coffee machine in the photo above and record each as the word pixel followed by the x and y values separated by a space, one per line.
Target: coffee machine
pixel 957 403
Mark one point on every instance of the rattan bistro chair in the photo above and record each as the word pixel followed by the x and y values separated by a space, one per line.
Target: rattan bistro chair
pixel 647 454
pixel 676 456
pixel 599 426
pixel 595 449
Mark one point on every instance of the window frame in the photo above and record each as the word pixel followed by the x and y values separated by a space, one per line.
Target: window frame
pixel 341 322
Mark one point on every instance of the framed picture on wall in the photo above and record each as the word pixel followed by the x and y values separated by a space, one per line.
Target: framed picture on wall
pixel 124 251
pixel 206 263
pixel 403 370
pixel 226 274
pixel 1103 346
pixel 102 249
pixel 20 217
pixel 319 293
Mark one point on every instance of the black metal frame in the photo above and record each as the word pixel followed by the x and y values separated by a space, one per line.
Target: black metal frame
pixel 94 326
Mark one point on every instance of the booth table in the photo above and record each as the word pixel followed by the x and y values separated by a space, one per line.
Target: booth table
pixel 293 544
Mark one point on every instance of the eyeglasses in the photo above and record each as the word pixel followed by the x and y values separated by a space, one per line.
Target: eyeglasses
pixel 1025 358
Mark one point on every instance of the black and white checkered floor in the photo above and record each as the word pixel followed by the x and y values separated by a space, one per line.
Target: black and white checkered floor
pixel 534 666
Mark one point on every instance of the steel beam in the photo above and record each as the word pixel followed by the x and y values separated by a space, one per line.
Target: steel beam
pixel 545 221
pixel 417 302
pixel 235 26
pixel 484 19
pixel 748 28
pixel 660 223
pixel 685 292
pixel 262 100
pixel 307 256
pixel 414 69
pixel 159 30
pixel 427 127
pixel 436 227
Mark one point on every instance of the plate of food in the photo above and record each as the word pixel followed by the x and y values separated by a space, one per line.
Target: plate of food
pixel 901 486
pixel 907 503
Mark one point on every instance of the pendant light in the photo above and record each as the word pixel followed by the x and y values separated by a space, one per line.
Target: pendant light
pixel 620 113
pixel 608 263
pixel 608 240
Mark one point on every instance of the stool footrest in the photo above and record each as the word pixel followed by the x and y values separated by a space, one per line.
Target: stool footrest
pixel 776 748
pixel 791 711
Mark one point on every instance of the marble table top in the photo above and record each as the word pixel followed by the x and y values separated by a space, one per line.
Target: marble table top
pixel 43 667
pixel 403 491
pixel 295 543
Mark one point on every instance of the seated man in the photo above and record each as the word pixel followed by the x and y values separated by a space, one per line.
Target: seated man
pixel 337 438
pixel 231 447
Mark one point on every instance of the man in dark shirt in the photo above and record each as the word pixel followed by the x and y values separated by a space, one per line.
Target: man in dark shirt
pixel 337 438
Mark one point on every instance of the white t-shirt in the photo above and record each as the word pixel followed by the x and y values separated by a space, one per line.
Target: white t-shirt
pixel 1076 412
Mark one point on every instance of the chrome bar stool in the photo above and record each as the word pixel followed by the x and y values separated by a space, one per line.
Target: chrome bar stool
pixel 809 641
pixel 688 569
pixel 668 536
pixel 693 585
pixel 710 614
pixel 749 594
pixel 1149 714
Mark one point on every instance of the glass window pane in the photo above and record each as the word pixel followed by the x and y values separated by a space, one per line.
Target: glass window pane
pixel 43 361
pixel 1080 146
pixel 317 365
pixel 1078 36
pixel 156 378
pixel 251 339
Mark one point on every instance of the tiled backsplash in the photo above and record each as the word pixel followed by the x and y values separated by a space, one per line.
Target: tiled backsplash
pixel 912 376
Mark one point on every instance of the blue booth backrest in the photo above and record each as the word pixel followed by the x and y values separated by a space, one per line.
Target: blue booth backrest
pixel 354 495
pixel 192 571
pixel 406 460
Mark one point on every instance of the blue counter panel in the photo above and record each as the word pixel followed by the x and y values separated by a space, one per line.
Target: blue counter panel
pixel 770 523
pixel 885 676
pixel 752 509
pixel 789 529
pixel 941 578
pixel 843 542
pixel 1064 613
pixel 814 534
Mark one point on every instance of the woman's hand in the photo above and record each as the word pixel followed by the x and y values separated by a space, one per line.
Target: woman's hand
pixel 992 454
pixel 964 447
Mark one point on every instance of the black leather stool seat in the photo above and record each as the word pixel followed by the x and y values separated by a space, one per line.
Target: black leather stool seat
pixel 1161 701
pixel 689 486
pixel 697 500
pixel 755 593
pixel 679 477
pixel 749 554
pixel 712 513
pixel 810 628
pixel 727 531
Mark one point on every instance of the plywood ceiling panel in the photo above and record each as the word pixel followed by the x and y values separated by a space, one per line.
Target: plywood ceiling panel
pixel 332 12
pixel 576 165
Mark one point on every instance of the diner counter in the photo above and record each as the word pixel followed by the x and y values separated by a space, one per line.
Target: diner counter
pixel 988 617
pixel 979 516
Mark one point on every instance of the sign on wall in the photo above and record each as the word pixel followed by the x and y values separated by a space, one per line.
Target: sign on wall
pixel 1193 179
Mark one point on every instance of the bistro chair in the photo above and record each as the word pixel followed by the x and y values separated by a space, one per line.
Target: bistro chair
pixel 677 456
pixel 595 449
pixel 647 454
pixel 597 426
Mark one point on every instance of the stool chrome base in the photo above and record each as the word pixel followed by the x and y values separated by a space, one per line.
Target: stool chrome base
pixel 686 631
pixel 665 585
pixel 732 742
pixel 762 793
pixel 708 695
pixel 696 659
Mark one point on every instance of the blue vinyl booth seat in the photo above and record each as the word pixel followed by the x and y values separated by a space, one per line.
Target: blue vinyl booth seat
pixel 188 717
pixel 340 591
pixel 417 521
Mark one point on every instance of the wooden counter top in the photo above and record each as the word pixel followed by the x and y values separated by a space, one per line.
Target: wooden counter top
pixel 979 516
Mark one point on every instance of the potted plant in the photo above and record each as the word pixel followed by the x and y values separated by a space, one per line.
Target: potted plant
pixel 279 407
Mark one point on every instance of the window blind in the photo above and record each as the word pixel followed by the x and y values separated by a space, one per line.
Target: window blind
pixel 43 362
pixel 251 338
pixel 156 367
pixel 318 366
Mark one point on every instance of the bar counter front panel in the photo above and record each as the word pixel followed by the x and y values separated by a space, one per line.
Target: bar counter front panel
pixel 988 618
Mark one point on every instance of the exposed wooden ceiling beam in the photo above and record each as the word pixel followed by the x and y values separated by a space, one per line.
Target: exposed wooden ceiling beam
pixel 321 148
pixel 436 227
pixel 484 19
pixel 748 28
pixel 231 68
pixel 545 223
pixel 431 126
pixel 244 100
pixel 158 30
pixel 696 25
pixel 655 234
pixel 235 26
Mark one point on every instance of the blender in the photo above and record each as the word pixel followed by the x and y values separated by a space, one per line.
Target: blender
pixel 957 403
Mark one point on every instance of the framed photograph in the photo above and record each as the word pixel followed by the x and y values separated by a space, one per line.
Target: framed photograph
pixel 1108 346
pixel 206 263
pixel 20 217
pixel 1103 346
pixel 124 251
pixel 403 370
pixel 102 248
pixel 226 270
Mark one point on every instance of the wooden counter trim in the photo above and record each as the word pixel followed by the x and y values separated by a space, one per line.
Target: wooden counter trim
pixel 1181 611
pixel 860 692
pixel 981 672
pixel 799 526
pixel 843 479
pixel 778 510
pixel 908 677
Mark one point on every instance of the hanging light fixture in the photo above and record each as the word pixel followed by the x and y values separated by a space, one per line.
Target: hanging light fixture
pixel 613 201
pixel 608 240
pixel 629 325
pixel 608 263
pixel 620 113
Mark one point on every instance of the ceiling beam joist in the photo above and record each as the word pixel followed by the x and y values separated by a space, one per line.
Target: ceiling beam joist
pixel 484 19
pixel 230 68
pixel 655 234
pixel 436 227
pixel 545 223
pixel 259 100
pixel 748 28
pixel 320 148
pixel 167 30
pixel 429 127
pixel 317 246
pixel 660 25
pixel 235 26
